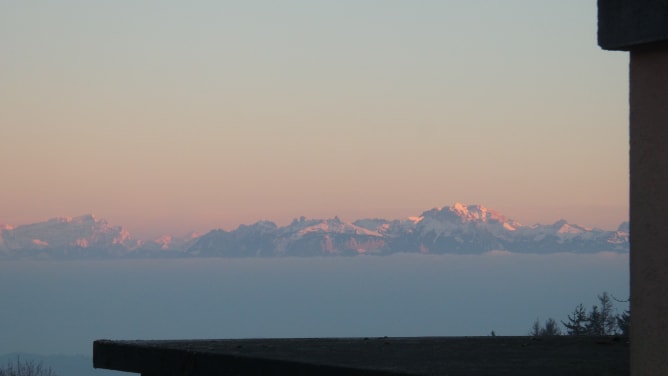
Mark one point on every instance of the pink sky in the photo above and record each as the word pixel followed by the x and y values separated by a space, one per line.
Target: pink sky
pixel 181 117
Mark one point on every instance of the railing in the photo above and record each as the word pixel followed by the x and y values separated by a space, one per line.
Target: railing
pixel 464 356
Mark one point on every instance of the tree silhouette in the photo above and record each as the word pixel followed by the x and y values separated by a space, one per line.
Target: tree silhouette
pixel 577 321
pixel 534 331
pixel 551 328
pixel 26 368
pixel 624 322
pixel 594 324
pixel 608 317
pixel 600 321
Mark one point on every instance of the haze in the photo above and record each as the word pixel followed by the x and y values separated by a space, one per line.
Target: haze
pixel 177 117
pixel 62 307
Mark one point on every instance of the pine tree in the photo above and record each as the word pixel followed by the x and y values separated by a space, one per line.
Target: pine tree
pixel 608 316
pixel 551 328
pixel 624 322
pixel 535 329
pixel 577 322
pixel 595 326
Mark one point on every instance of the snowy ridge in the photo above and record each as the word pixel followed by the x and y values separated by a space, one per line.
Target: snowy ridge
pixel 453 229
pixel 65 233
pixel 328 226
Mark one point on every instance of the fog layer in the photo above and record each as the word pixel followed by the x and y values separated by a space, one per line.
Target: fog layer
pixel 61 307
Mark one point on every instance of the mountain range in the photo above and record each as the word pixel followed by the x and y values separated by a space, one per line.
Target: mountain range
pixel 461 229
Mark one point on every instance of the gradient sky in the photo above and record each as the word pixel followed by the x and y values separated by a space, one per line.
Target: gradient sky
pixel 172 116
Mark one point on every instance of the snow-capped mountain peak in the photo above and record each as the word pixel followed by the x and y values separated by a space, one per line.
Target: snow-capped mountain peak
pixel 566 228
pixel 459 214
pixel 451 229
pixel 333 225
pixel 476 213
pixel 65 232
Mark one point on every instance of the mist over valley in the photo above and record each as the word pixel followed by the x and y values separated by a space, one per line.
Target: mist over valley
pixel 55 307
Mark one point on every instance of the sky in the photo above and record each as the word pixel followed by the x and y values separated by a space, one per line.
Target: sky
pixel 171 116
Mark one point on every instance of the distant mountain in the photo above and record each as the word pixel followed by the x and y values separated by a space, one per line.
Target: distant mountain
pixel 80 237
pixel 463 229
pixel 66 237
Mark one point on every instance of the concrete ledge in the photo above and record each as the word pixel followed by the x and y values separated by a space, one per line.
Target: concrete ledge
pixel 625 24
pixel 564 355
